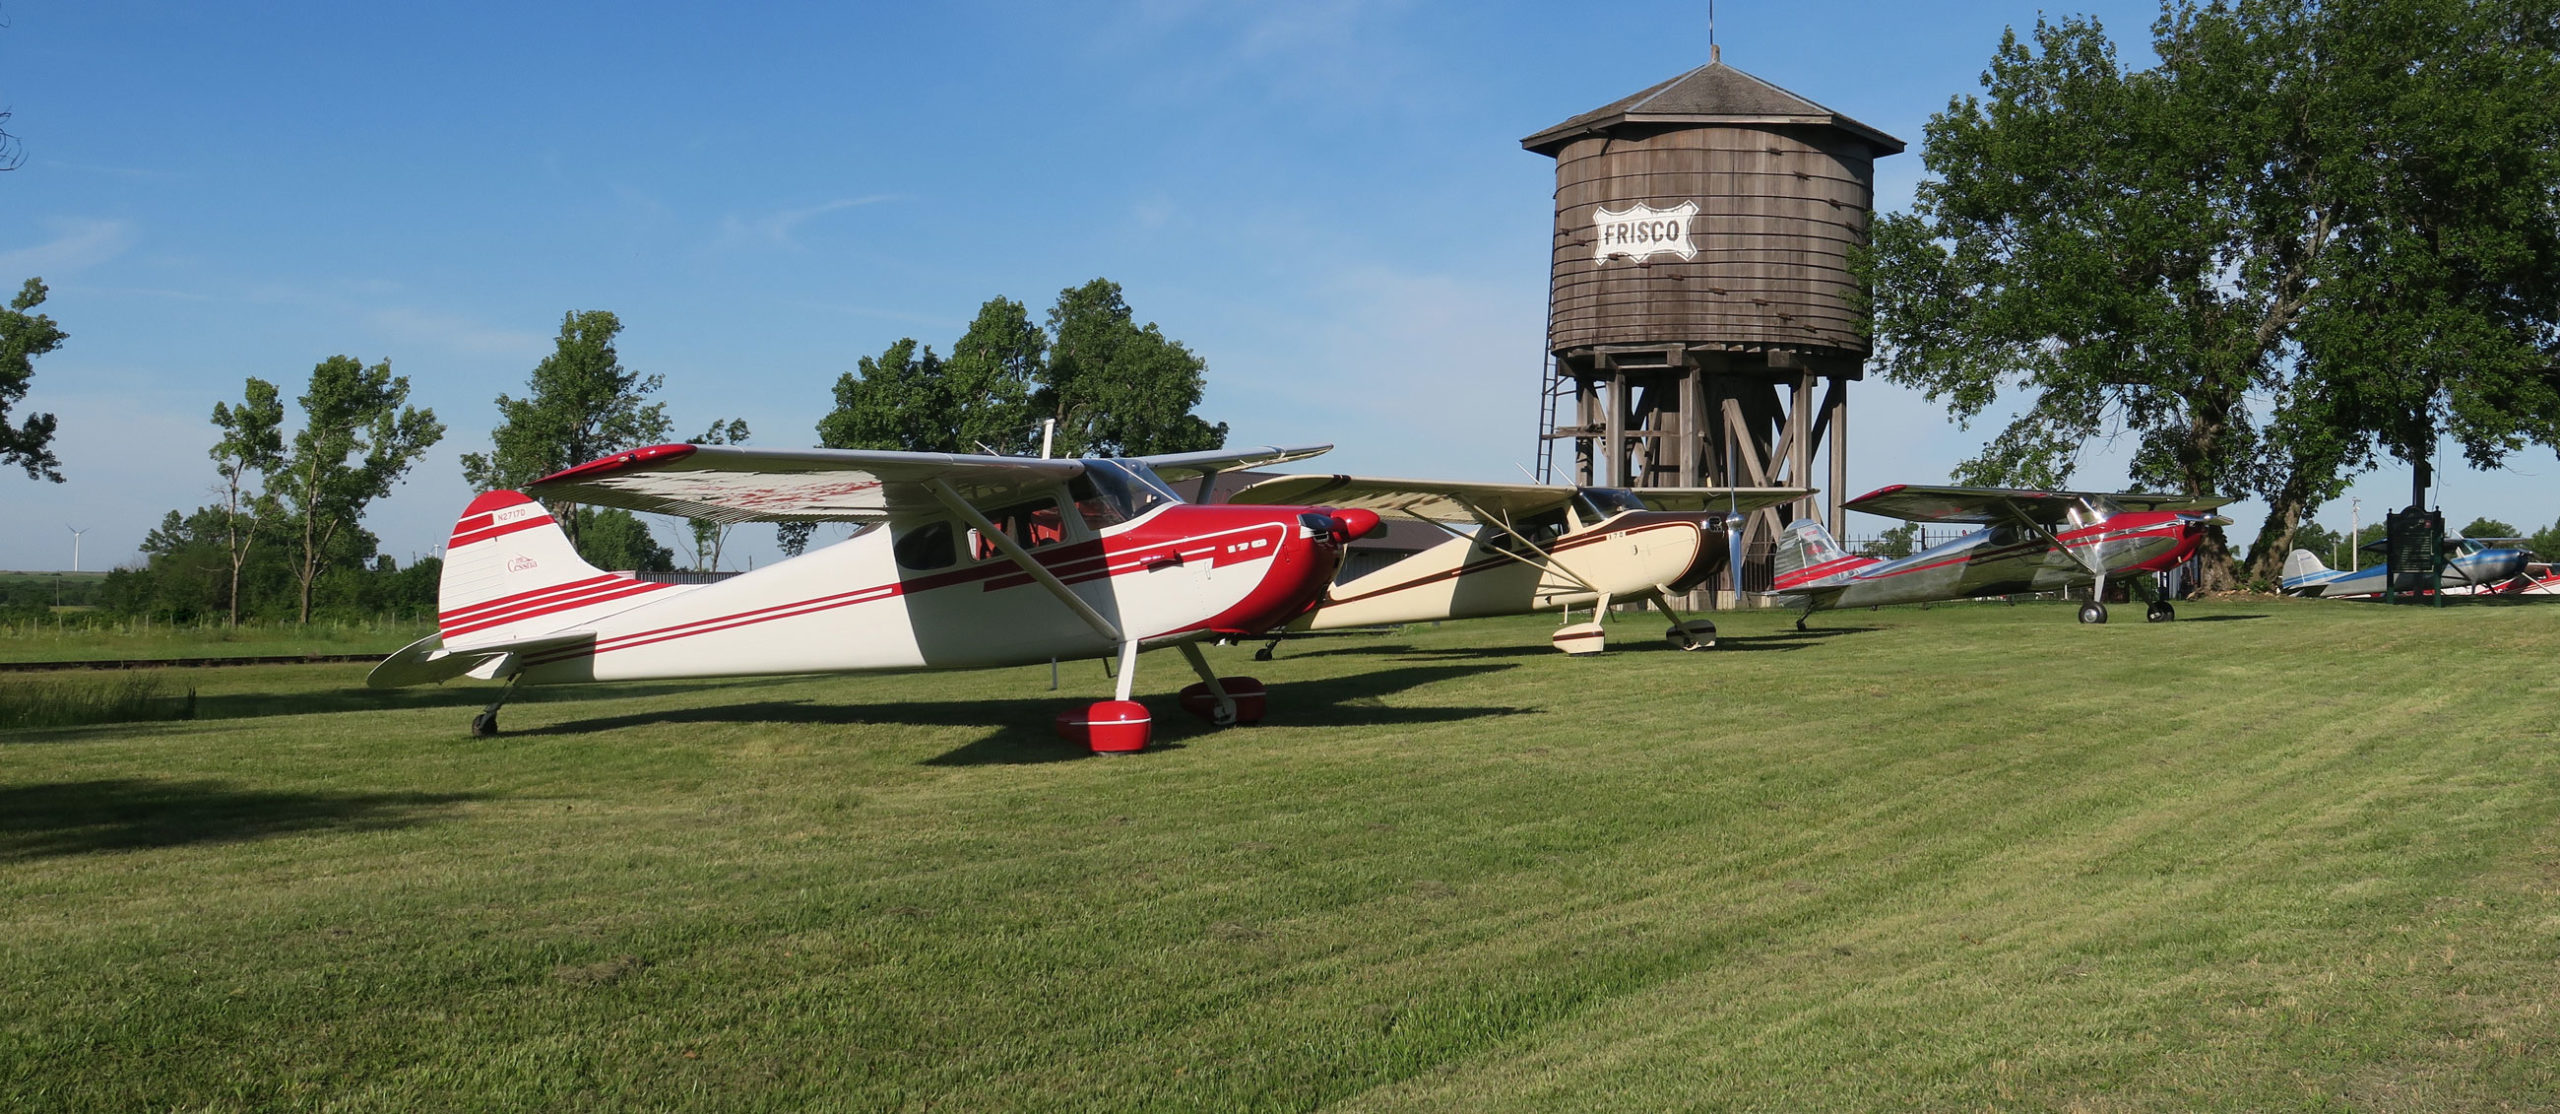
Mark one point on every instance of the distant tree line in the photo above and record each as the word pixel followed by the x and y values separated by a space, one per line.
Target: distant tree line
pixel 284 541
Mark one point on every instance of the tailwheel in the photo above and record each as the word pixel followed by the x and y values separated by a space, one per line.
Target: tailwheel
pixel 485 724
pixel 2093 612
pixel 1245 694
pixel 2160 612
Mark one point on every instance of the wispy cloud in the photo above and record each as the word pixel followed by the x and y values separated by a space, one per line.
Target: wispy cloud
pixel 1345 51
pixel 877 312
pixel 78 242
pixel 133 172
pixel 780 229
pixel 458 333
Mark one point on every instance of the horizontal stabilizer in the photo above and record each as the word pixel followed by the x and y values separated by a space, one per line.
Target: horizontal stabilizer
pixel 427 661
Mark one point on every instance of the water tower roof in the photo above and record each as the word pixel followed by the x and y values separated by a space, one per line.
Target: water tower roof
pixel 1714 93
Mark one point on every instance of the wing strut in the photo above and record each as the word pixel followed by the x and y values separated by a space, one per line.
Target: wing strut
pixel 1547 561
pixel 951 501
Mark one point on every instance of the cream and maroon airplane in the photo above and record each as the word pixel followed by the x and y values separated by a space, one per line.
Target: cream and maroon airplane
pixel 965 562
pixel 1535 547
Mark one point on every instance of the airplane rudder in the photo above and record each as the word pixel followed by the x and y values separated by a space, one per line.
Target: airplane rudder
pixel 505 546
pixel 2302 562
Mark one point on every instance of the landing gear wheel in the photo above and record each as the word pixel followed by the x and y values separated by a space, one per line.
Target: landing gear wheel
pixel 1680 639
pixel 485 724
pixel 2159 612
pixel 2093 613
pixel 1264 654
pixel 1247 693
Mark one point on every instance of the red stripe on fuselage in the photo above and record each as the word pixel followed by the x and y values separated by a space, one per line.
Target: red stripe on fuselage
pixel 1139 557
pixel 601 594
pixel 527 596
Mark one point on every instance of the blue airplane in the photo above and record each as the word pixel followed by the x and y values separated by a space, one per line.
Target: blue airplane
pixel 2475 563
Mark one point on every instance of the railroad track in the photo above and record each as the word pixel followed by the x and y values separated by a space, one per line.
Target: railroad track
pixel 167 663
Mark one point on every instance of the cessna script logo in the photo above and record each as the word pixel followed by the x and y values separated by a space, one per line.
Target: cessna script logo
pixel 1639 232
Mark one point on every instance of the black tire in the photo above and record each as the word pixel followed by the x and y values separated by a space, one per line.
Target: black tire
pixel 484 725
pixel 2160 612
pixel 2093 613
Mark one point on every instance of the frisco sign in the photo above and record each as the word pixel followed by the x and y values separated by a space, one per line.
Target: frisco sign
pixel 1640 231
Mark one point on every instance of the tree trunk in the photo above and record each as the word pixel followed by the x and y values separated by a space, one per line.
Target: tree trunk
pixel 2275 537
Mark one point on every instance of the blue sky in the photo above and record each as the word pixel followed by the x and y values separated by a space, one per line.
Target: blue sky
pixel 1326 200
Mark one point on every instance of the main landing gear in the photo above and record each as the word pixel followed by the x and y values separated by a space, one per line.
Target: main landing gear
pixel 2095 611
pixel 1124 726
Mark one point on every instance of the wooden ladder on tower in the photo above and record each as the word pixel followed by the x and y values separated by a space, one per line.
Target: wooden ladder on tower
pixel 1549 395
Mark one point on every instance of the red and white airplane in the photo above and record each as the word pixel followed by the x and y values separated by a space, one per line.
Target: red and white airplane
pixel 2038 541
pixel 966 562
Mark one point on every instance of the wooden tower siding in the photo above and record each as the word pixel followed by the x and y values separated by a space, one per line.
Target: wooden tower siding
pixel 1730 368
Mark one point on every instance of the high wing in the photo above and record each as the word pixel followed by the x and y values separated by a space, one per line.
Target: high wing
pixel 2141 501
pixel 1735 500
pixel 1437 500
pixel 728 484
pixel 1465 501
pixel 1990 505
pixel 1175 467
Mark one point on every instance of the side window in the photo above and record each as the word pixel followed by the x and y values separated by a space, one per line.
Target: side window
pixel 1541 531
pixel 926 547
pixel 1031 525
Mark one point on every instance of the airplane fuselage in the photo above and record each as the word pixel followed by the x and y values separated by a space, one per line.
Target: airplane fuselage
pixel 1177 573
pixel 1493 573
pixel 2004 561
pixel 2477 569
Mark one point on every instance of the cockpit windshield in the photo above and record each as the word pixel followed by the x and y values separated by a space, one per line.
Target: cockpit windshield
pixel 1597 503
pixel 1115 491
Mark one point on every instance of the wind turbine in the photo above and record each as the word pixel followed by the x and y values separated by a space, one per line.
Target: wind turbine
pixel 75 545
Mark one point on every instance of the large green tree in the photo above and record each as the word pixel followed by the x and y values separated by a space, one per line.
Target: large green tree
pixel 252 443
pixel 359 436
pixel 2315 232
pixel 1118 388
pixel 1115 388
pixel 580 404
pixel 911 399
pixel 25 335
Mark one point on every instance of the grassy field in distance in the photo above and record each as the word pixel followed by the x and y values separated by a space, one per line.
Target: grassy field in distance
pixel 41 640
pixel 2279 855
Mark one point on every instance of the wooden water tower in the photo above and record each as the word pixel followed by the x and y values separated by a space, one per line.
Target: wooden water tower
pixel 1701 316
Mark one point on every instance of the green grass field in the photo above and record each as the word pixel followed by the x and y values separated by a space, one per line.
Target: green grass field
pixel 42 640
pixel 2280 855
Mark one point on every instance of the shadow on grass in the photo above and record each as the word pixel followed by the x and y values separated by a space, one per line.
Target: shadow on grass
pixel 253 705
pixel 2219 618
pixel 1406 652
pixel 1358 700
pixel 123 814
pixel 1022 732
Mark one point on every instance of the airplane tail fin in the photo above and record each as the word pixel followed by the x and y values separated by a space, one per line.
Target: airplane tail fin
pixel 1809 557
pixel 2302 562
pixel 510 573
